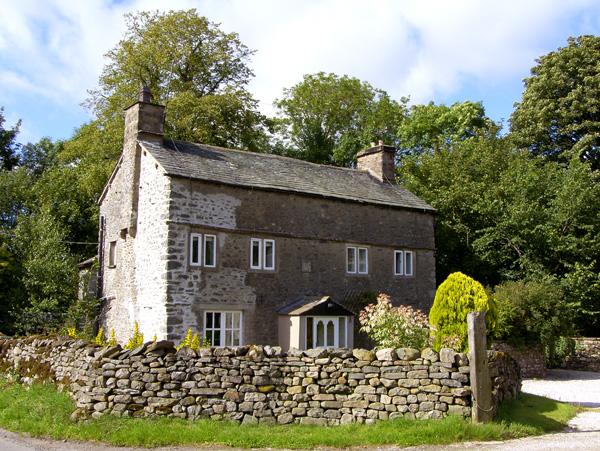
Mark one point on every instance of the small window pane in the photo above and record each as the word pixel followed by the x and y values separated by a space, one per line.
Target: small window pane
pixel 209 337
pixel 269 254
pixel 236 338
pixel 255 258
pixel 195 243
pixel 217 338
pixel 228 338
pixel 351 259
pixel 320 334
pixel 342 331
pixel 408 257
pixel 236 320
pixel 330 333
pixel 362 260
pixel 209 250
pixel 228 320
pixel 399 263
pixel 112 253
pixel 309 333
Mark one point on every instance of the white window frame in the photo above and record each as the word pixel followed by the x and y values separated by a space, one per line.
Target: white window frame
pixel 202 239
pixel 222 327
pixel 402 271
pixel 262 253
pixel 351 269
pixel 336 330
pixel 356 251
pixel 264 259
pixel 199 237
pixel 412 263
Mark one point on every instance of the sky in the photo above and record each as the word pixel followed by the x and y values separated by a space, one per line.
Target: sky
pixel 51 51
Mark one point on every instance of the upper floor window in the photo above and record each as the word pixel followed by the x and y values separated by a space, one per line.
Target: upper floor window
pixel 112 254
pixel 403 263
pixel 262 254
pixel 357 260
pixel 203 250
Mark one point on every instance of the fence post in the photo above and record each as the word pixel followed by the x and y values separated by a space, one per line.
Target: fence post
pixel 481 388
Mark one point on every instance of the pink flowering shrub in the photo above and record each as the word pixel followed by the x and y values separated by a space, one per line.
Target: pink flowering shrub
pixel 394 327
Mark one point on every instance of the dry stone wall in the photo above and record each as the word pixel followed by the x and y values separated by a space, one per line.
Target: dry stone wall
pixel 587 355
pixel 531 360
pixel 255 384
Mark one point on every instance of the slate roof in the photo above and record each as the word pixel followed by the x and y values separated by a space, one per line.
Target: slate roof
pixel 306 304
pixel 274 172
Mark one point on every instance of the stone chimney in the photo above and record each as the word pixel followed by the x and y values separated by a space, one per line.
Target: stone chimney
pixel 144 121
pixel 379 161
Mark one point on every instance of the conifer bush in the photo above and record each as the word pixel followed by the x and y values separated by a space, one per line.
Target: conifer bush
pixel 457 296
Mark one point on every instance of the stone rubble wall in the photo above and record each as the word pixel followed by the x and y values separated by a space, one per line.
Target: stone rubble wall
pixel 531 360
pixel 255 384
pixel 587 355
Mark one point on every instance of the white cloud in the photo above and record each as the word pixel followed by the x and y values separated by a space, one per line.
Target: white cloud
pixel 427 49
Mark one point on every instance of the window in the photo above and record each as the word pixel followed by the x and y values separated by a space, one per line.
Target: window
pixel 262 254
pixel 403 263
pixel 112 254
pixel 326 331
pixel 223 328
pixel 357 260
pixel 203 250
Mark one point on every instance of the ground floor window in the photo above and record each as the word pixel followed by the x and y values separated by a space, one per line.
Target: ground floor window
pixel 327 332
pixel 223 328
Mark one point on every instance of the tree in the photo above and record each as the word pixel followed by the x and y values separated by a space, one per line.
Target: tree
pixel 49 273
pixel 190 65
pixel 559 113
pixel 37 157
pixel 432 127
pixel 328 118
pixel 504 214
pixel 9 149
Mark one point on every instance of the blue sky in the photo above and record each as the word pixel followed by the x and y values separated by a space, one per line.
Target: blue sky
pixel 51 52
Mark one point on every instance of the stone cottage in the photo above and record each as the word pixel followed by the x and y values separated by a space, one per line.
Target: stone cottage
pixel 248 248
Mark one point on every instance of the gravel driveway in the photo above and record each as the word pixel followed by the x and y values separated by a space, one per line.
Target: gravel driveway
pixel 577 387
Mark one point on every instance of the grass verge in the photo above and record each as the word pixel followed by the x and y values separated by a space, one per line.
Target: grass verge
pixel 40 410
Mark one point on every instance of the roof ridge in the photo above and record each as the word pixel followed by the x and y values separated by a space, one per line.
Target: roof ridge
pixel 272 155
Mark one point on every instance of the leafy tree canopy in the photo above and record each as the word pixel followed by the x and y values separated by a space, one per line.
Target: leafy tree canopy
pixel 193 67
pixel 328 118
pixel 9 149
pixel 559 114
pixel 434 127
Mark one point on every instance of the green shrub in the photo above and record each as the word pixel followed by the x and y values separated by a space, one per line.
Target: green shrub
pixel 535 314
pixel 394 327
pixel 454 299
pixel 137 338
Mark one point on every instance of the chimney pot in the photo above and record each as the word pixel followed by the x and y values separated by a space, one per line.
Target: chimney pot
pixel 145 95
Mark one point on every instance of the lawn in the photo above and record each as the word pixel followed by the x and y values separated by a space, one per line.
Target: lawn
pixel 41 410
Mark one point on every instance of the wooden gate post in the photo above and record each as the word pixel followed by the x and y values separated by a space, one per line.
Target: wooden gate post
pixel 481 386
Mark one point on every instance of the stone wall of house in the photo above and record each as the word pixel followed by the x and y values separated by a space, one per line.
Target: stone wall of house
pixel 587 355
pixel 261 384
pixel 135 289
pixel 311 235
pixel 531 360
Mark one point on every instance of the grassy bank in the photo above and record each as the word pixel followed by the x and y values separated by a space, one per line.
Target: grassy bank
pixel 43 411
